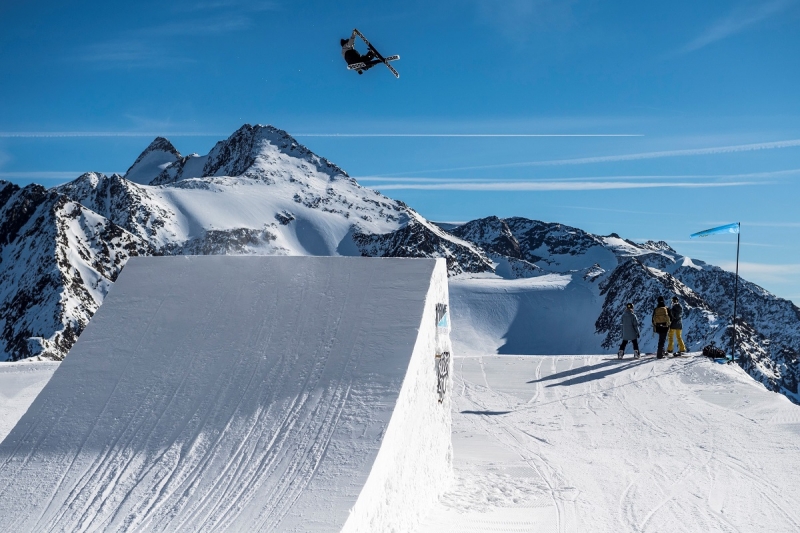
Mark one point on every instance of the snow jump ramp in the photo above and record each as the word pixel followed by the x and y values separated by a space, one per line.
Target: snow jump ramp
pixel 243 394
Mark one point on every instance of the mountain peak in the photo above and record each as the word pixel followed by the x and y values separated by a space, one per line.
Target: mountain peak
pixel 156 157
pixel 260 151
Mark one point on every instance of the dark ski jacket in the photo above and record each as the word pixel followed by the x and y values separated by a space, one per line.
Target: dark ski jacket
pixel 349 45
pixel 630 325
pixel 676 314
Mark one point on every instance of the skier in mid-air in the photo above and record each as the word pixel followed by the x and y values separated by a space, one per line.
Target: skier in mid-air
pixel 360 63
pixel 353 57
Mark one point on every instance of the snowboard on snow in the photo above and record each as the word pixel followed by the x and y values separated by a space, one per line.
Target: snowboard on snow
pixel 380 58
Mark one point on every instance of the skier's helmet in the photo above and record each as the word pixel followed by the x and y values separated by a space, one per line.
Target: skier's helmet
pixel 342 42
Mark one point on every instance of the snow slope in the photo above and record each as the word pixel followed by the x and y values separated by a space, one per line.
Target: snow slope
pixel 590 443
pixel 20 383
pixel 242 394
pixel 540 315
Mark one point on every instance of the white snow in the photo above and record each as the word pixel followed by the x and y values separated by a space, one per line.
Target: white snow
pixel 588 443
pixel 591 443
pixel 193 167
pixel 150 166
pixel 20 383
pixel 544 315
pixel 229 203
pixel 687 262
pixel 242 394
pixel 414 463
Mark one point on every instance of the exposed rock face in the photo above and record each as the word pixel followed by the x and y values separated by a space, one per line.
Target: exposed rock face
pixel 417 239
pixel 58 261
pixel 492 234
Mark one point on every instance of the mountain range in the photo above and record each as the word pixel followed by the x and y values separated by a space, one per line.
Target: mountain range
pixel 261 192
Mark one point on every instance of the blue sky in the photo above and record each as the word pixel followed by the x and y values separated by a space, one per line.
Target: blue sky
pixel 671 117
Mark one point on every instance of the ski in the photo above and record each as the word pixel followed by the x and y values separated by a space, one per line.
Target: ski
pixel 357 66
pixel 378 54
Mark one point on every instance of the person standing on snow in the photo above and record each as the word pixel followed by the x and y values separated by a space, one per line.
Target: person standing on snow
pixel 352 56
pixel 661 321
pixel 630 332
pixel 676 327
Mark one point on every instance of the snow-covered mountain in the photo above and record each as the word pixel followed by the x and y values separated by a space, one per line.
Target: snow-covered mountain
pixel 257 192
pixel 261 192
pixel 612 271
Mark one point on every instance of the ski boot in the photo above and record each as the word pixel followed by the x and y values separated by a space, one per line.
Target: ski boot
pixel 620 354
pixel 636 354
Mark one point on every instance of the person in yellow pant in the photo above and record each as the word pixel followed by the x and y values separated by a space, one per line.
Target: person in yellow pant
pixel 676 328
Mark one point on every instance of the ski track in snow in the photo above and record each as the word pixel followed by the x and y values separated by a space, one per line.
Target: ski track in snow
pixel 240 413
pixel 560 443
pixel 591 443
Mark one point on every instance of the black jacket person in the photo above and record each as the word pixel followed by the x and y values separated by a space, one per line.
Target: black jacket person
pixel 676 327
pixel 661 321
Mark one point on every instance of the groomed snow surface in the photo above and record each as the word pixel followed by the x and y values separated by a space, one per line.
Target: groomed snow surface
pixel 20 383
pixel 220 393
pixel 593 443
pixel 560 443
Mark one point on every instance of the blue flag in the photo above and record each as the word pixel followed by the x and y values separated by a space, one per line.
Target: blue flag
pixel 728 228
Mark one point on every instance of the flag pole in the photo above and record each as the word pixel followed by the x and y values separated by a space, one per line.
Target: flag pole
pixel 735 294
pixel 728 228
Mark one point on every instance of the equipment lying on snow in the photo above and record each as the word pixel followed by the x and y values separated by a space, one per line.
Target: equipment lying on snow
pixel 712 351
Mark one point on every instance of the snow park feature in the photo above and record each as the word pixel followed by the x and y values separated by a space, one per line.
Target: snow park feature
pixel 218 393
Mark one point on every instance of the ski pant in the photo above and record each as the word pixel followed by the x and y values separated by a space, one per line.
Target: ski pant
pixel 352 56
pixel 662 338
pixel 635 343
pixel 676 333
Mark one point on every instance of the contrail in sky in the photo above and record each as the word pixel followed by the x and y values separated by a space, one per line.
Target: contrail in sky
pixel 54 134
pixel 49 134
pixel 468 135
pixel 406 180
pixel 552 185
pixel 629 157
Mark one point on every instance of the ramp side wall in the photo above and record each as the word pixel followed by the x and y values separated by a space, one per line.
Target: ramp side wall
pixel 414 465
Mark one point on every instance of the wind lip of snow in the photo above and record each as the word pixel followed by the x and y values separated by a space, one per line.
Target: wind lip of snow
pixel 618 243
pixel 687 262
pixel 656 272
pixel 495 282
